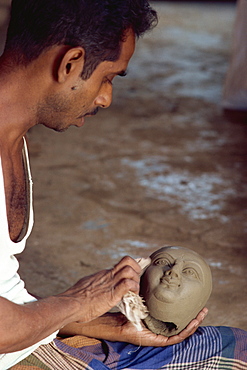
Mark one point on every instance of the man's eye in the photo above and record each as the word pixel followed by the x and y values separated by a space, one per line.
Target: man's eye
pixel 190 272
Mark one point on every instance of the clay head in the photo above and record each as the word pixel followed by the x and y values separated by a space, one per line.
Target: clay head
pixel 175 287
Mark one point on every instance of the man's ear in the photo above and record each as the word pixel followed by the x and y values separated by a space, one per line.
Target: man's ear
pixel 71 65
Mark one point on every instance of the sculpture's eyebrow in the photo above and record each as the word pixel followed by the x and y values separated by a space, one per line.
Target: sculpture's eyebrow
pixel 197 266
pixel 165 256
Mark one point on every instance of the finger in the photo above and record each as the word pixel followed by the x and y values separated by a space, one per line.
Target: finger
pixel 127 283
pixel 121 289
pixel 190 329
pixel 193 325
pixel 127 261
pixel 126 276
pixel 202 314
pixel 127 272
pixel 143 262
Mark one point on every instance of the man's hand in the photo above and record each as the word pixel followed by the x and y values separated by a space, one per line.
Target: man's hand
pixel 24 325
pixel 98 293
pixel 147 338
pixel 115 327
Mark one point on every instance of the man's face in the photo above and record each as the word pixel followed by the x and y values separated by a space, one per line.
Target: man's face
pixel 61 110
pixel 176 285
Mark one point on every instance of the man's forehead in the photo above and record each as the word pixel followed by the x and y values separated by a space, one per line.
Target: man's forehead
pixel 119 66
pixel 127 46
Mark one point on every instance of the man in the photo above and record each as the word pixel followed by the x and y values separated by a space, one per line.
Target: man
pixel 57 68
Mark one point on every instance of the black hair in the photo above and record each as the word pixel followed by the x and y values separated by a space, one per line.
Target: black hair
pixel 96 25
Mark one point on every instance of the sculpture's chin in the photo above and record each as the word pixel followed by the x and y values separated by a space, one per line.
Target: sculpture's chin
pixel 159 327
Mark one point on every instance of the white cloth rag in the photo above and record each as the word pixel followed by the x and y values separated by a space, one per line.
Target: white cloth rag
pixel 132 305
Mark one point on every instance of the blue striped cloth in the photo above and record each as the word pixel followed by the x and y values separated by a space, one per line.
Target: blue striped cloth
pixel 209 348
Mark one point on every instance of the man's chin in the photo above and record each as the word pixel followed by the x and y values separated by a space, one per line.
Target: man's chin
pixel 56 128
pixel 61 129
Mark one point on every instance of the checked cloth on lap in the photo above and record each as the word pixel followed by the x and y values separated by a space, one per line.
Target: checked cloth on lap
pixel 212 348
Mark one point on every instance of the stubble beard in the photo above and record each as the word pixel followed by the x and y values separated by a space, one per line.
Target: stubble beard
pixel 51 111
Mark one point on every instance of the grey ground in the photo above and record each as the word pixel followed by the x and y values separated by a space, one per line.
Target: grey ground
pixel 162 166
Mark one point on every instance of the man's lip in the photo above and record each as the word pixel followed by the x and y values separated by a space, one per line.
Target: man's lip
pixel 89 114
pixel 92 113
pixel 81 122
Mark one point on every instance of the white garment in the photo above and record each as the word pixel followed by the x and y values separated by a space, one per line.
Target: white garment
pixel 132 305
pixel 11 285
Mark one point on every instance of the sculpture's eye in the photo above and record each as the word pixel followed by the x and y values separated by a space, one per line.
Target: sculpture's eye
pixel 162 262
pixel 190 272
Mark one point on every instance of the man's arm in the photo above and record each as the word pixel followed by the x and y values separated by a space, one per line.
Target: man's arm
pixel 115 327
pixel 24 325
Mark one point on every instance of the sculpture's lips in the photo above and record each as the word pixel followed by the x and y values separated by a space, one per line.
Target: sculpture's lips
pixel 170 282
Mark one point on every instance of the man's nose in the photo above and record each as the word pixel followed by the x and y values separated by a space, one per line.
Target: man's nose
pixel 104 98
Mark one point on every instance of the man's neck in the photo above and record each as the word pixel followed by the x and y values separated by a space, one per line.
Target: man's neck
pixel 16 113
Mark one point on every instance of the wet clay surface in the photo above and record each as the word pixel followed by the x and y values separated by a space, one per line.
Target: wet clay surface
pixel 162 166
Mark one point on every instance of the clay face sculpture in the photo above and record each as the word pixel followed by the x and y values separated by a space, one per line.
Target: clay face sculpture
pixel 175 287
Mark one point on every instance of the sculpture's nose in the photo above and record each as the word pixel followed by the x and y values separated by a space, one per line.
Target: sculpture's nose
pixel 174 272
